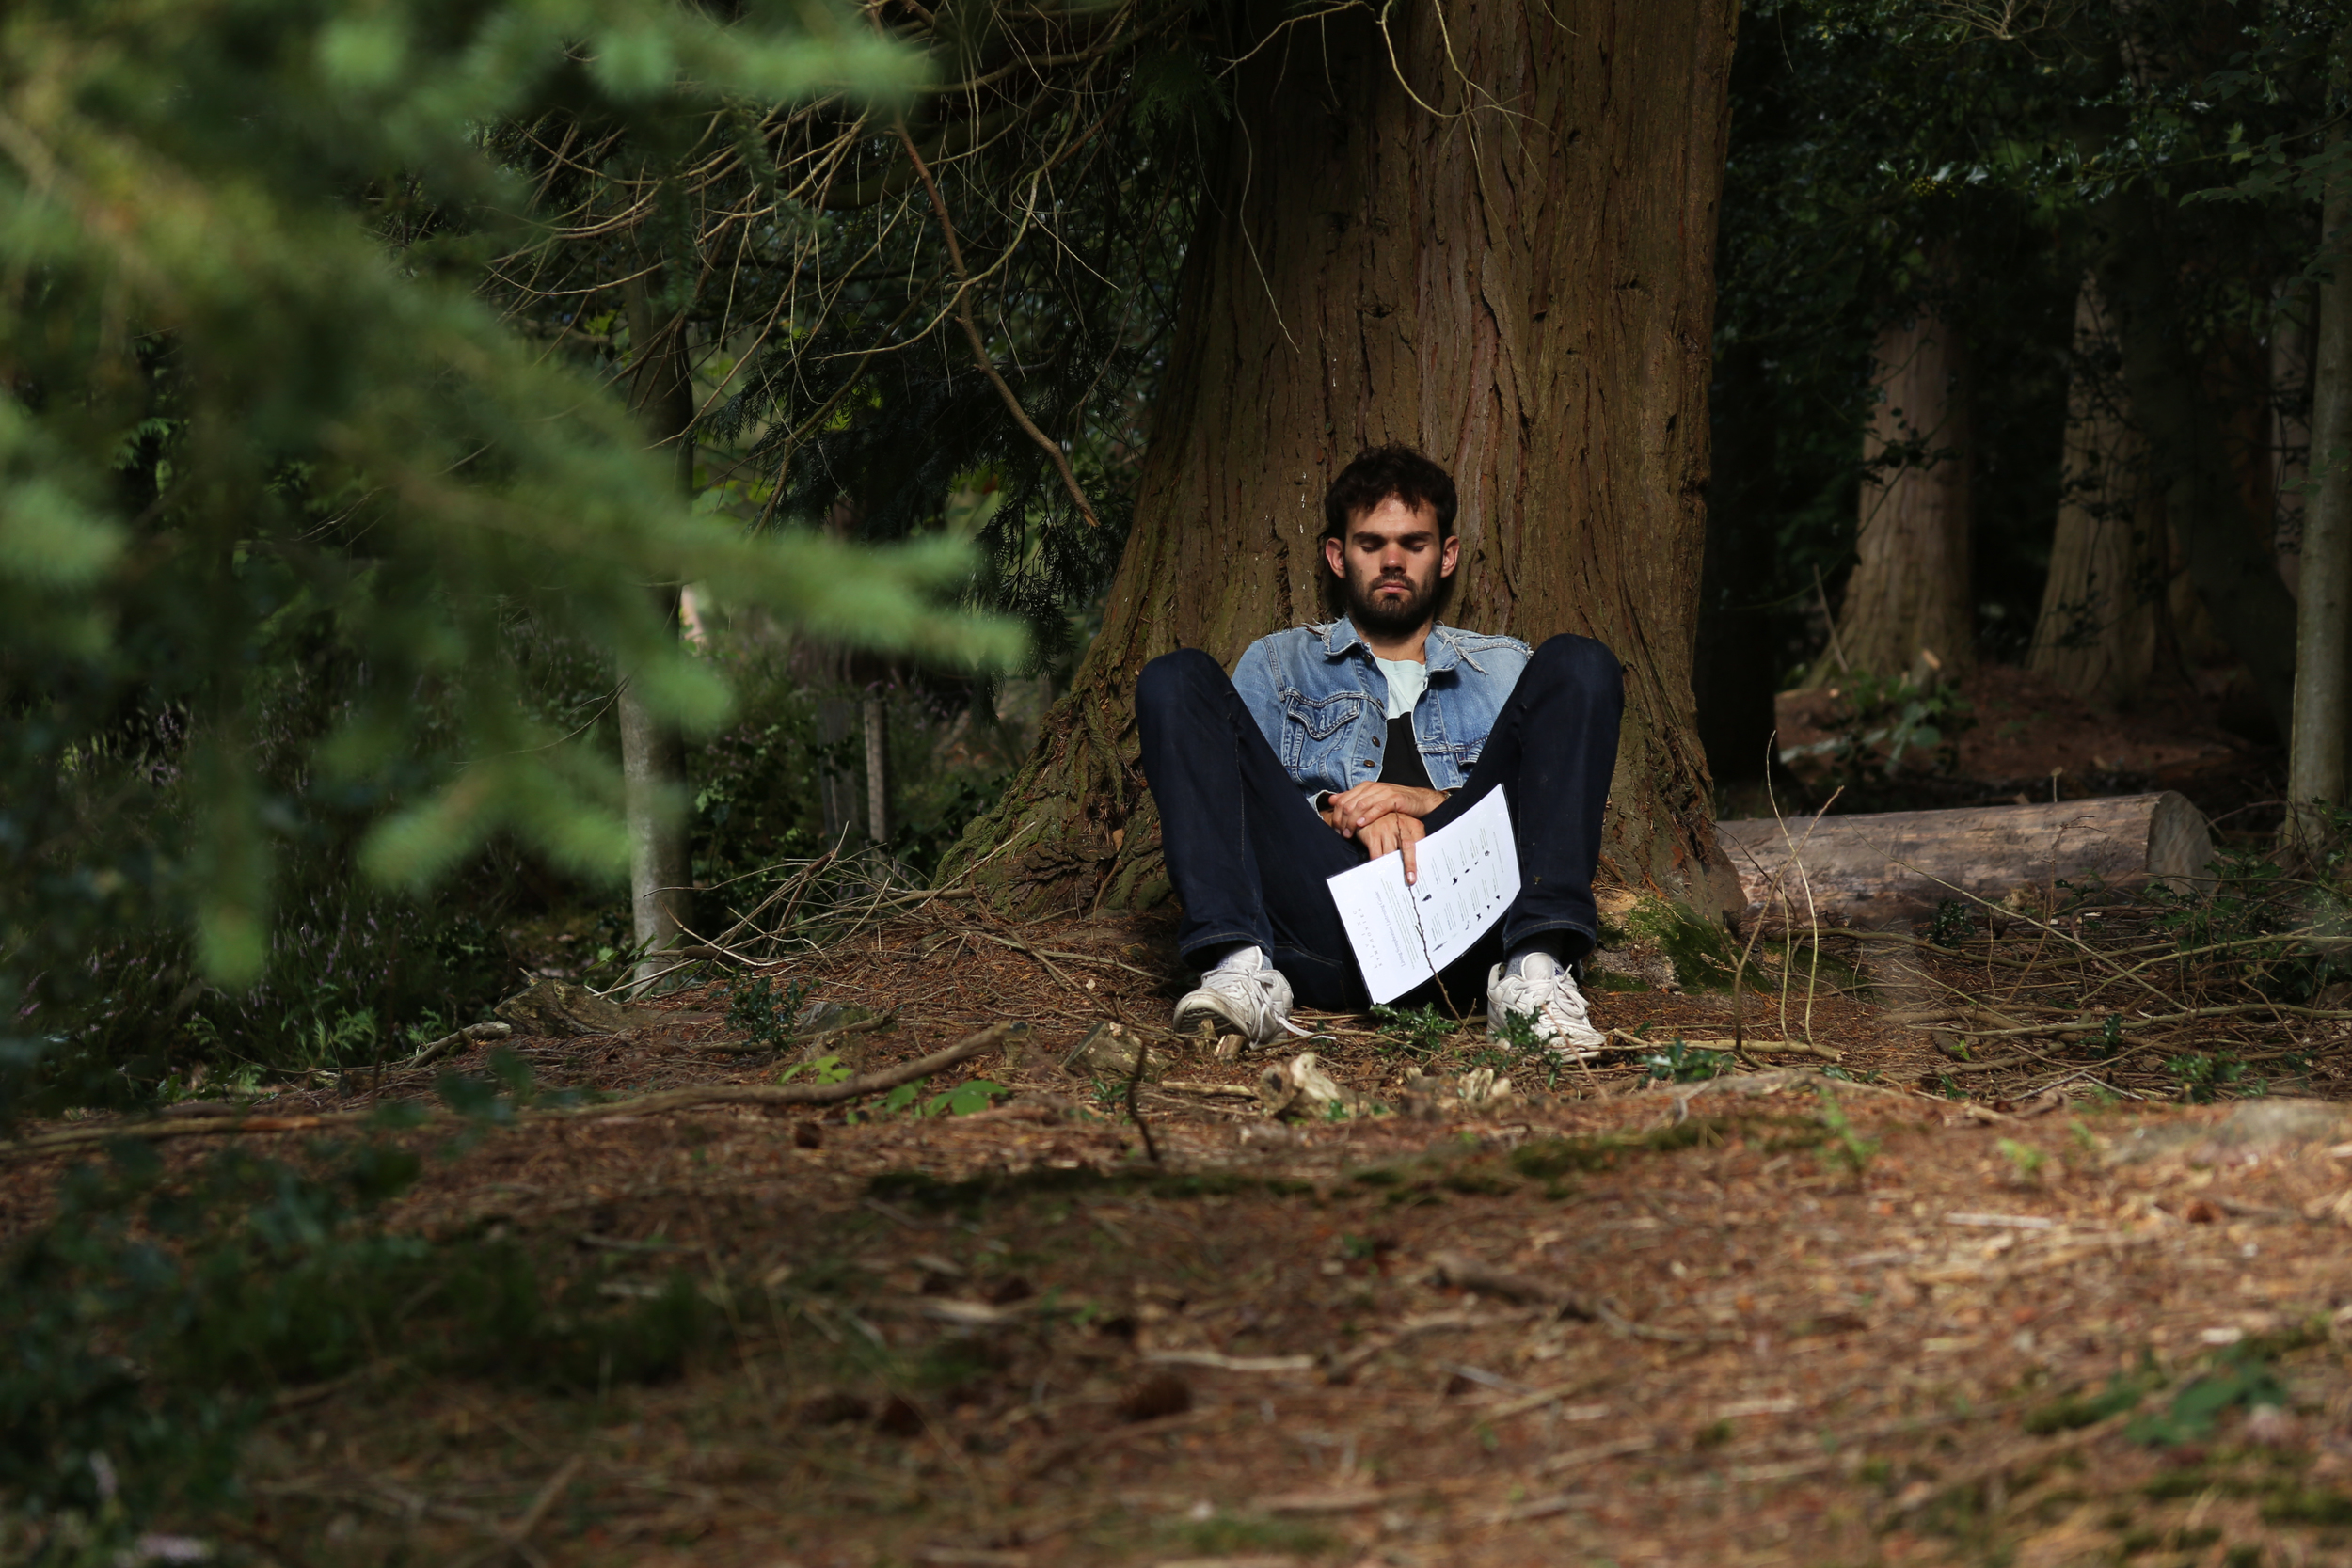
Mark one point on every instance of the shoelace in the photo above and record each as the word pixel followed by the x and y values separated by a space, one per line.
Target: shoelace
pixel 1261 984
pixel 1555 994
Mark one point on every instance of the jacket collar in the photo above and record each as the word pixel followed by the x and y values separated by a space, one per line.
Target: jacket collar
pixel 1442 651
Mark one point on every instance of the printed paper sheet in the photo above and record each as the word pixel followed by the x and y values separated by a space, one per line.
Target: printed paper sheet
pixel 1468 873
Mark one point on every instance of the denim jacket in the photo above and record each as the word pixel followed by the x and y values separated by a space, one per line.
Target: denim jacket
pixel 1323 702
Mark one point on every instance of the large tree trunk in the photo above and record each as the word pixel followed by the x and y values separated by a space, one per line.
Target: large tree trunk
pixel 653 753
pixel 1498 247
pixel 2101 631
pixel 2319 763
pixel 1907 608
pixel 2230 559
pixel 1736 673
pixel 875 717
pixel 2291 373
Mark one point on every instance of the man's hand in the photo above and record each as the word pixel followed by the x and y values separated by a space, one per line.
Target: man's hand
pixel 1361 807
pixel 1396 830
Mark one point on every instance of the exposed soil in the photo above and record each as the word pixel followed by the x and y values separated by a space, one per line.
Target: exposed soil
pixel 1766 1318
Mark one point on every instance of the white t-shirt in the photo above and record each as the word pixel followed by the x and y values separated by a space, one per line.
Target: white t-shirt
pixel 1407 679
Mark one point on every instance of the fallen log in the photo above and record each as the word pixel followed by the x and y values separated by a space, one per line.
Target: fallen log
pixel 1889 867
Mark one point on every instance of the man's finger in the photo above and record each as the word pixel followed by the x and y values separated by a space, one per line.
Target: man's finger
pixel 1406 842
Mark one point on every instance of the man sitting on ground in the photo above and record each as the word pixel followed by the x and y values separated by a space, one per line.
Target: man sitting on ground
pixel 1335 742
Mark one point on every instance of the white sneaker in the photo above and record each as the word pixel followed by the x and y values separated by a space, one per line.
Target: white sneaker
pixel 1546 992
pixel 1244 995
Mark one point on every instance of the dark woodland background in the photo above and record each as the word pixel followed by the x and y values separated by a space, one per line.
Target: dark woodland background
pixel 1920 318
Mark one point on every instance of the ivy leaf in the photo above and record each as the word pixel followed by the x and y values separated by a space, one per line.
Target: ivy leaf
pixel 964 1098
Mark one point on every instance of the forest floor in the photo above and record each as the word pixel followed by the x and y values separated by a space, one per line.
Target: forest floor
pixel 1774 1316
pixel 2025 739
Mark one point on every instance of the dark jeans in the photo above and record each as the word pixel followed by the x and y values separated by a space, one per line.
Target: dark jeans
pixel 1250 859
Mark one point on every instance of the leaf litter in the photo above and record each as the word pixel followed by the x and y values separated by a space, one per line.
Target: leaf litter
pixel 1616 1314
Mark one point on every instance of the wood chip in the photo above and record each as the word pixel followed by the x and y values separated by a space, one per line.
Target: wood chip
pixel 1575 1458
pixel 1223 1363
pixel 1344 1500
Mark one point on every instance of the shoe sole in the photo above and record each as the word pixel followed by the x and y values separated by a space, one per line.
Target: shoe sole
pixel 1189 1013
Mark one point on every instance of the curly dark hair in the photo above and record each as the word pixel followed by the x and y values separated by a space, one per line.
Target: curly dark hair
pixel 1379 472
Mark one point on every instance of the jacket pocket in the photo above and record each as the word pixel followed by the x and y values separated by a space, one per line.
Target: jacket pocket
pixel 1314 727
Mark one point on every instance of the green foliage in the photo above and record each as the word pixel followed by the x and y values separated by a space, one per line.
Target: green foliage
pixel 1549 1159
pixel 1227 1535
pixel 833 376
pixel 1890 158
pixel 1845 1147
pixel 147 1325
pixel 763 1013
pixel 1953 923
pixel 1418 1033
pixel 1859 191
pixel 2123 1392
pixel 2024 1159
pixel 2203 1077
pixel 1879 720
pixel 1684 1064
pixel 756 781
pixel 824 1070
pixel 2240 1378
pixel 975 1094
pixel 258 418
pixel 1517 1044
pixel 2314 1505
pixel 1521 1033
pixel 2256 921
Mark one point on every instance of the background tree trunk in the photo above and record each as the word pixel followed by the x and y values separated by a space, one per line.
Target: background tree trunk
pixel 1907 608
pixel 2320 749
pixel 2291 374
pixel 653 753
pixel 1505 257
pixel 2230 559
pixel 838 797
pixel 2101 631
pixel 876 719
pixel 1738 667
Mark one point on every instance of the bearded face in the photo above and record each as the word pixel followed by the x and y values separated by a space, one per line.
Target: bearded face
pixel 1391 599
pixel 1394 566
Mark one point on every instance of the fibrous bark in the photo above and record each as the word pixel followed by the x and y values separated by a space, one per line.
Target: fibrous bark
pixel 2101 630
pixel 1734 674
pixel 2292 372
pixel 875 717
pixel 653 752
pixel 1907 609
pixel 837 794
pixel 1487 231
pixel 2320 752
pixel 2229 556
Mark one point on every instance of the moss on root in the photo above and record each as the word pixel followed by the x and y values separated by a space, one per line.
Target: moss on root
pixel 1650 936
